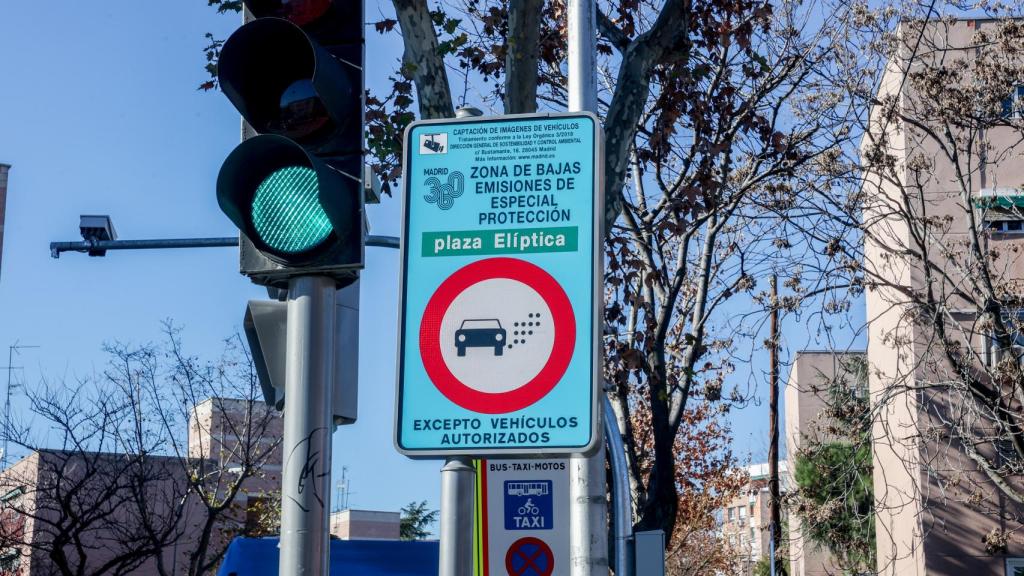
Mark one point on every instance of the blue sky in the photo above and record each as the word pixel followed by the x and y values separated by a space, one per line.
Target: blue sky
pixel 101 116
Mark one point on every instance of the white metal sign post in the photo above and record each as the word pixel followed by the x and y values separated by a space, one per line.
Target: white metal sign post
pixel 501 272
pixel 524 511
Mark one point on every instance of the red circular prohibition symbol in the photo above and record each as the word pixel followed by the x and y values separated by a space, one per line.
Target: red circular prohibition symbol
pixel 529 557
pixel 563 320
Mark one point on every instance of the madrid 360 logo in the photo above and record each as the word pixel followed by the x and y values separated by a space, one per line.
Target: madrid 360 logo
pixel 444 194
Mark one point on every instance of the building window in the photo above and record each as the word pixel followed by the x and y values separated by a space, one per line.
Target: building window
pixel 743 512
pixel 1001 209
pixel 13 494
pixel 1013 105
pixel 10 560
pixel 1014 324
pixel 751 509
pixel 732 514
pixel 1006 226
pixel 1015 567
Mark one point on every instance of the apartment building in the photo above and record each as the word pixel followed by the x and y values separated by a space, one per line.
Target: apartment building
pixel 744 523
pixel 351 524
pixel 943 261
pixel 806 398
pixel 116 510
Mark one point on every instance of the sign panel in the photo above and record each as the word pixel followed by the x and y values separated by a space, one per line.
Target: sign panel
pixel 523 523
pixel 500 286
pixel 529 557
pixel 528 504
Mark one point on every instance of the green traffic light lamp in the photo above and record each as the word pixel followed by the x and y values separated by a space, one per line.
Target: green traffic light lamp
pixel 292 206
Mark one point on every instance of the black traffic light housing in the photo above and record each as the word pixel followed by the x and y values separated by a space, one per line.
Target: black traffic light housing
pixel 266 57
pixel 340 196
pixel 295 75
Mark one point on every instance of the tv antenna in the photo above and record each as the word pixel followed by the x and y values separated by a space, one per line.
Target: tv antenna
pixel 11 351
pixel 343 489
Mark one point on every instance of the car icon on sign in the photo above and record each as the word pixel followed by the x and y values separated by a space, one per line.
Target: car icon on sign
pixel 480 333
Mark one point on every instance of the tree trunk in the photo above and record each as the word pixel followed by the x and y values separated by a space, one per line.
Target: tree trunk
pixel 661 504
pixel 421 61
pixel 521 56
pixel 631 93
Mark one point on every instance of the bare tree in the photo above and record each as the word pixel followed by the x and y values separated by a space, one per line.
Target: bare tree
pixel 94 500
pixel 156 465
pixel 216 427
pixel 922 219
pixel 706 124
pixel 712 120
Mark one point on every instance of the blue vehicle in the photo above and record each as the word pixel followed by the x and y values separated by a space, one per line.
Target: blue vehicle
pixel 481 333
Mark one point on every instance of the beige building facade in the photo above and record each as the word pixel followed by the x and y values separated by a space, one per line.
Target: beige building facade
pixel 366 525
pixel 937 513
pixel 92 501
pixel 805 399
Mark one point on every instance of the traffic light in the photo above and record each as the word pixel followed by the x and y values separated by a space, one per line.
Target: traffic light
pixel 295 73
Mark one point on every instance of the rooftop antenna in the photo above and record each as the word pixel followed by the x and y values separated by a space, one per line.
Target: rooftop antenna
pixel 11 351
pixel 343 490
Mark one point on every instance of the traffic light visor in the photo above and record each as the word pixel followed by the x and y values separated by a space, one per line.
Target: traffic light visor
pixel 283 82
pixel 286 211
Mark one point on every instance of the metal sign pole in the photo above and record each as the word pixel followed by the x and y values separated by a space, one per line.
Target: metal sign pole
pixel 458 483
pixel 588 534
pixel 306 478
pixel 622 500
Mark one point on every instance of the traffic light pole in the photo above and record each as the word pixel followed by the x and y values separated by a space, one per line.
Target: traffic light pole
pixel 306 479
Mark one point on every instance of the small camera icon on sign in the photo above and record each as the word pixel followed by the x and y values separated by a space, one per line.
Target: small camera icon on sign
pixel 434 143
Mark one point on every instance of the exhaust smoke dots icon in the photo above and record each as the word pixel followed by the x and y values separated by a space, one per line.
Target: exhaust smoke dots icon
pixel 524 328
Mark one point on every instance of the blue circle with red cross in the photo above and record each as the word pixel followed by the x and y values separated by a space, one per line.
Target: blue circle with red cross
pixel 529 557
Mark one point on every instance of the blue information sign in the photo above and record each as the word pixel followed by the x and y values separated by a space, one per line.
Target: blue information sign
pixel 528 505
pixel 500 286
